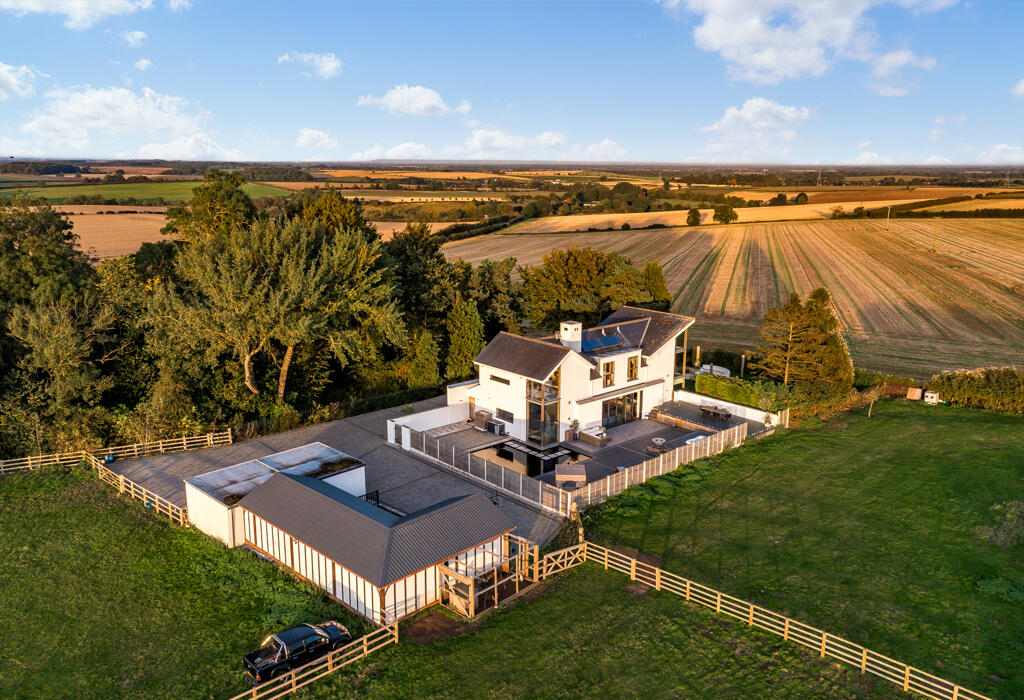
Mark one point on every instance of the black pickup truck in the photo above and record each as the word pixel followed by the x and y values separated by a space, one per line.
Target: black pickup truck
pixel 286 651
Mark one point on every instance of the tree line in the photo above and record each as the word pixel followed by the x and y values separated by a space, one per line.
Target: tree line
pixel 245 314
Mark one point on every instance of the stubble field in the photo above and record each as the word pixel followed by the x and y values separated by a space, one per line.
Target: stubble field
pixel 915 298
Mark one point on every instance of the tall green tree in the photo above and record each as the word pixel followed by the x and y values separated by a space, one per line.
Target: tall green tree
pixel 218 205
pixel 424 361
pixel 654 284
pixel 693 217
pixel 724 214
pixel 497 296
pixel 426 283
pixel 580 283
pixel 790 349
pixel 836 364
pixel 330 209
pixel 465 339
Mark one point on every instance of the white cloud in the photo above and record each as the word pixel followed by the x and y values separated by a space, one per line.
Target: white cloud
pixel 179 5
pixel 935 134
pixel 886 67
pixel 78 14
pixel 314 138
pixel 937 160
pixel 17 81
pixel 143 64
pixel 768 41
pixel 605 150
pixel 862 145
pixel 869 158
pixel 412 99
pixel 326 65
pixel 69 117
pixel 955 119
pixel 402 151
pixel 197 146
pixel 496 143
pixel 758 130
pixel 1002 153
pixel 1018 89
pixel 134 38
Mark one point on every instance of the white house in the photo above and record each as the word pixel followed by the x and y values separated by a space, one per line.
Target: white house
pixel 537 389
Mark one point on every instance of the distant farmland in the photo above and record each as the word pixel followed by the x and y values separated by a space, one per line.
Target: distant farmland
pixel 170 191
pixel 922 296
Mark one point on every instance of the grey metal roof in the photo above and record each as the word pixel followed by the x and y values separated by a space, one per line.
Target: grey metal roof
pixel 528 357
pixel 662 326
pixel 620 391
pixel 370 541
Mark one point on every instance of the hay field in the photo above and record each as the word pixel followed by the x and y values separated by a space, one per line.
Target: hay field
pixel 387 229
pixel 924 295
pixel 861 195
pixel 581 222
pixel 426 174
pixel 105 236
pixel 169 190
pixel 101 208
pixel 976 204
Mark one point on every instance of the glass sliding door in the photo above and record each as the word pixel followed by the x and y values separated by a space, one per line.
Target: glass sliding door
pixel 621 409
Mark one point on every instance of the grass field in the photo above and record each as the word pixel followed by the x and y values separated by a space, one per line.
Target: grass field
pixel 865 527
pixel 921 296
pixel 103 599
pixel 171 191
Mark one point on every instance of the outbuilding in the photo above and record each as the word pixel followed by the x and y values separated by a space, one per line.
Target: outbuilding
pixel 382 565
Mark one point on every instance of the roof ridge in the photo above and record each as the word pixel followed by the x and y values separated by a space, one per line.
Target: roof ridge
pixel 536 340
pixel 655 311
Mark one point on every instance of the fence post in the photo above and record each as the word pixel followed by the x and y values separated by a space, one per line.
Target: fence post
pixel 687 590
pixel 657 579
pixel 864 664
pixel 785 630
pixel 120 483
pixel 824 637
pixel 632 570
pixel 718 602
pixel 750 620
pixel 906 680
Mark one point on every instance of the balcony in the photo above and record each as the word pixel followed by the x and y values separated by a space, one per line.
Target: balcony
pixel 542 393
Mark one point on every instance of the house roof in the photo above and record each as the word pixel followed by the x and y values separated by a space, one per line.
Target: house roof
pixel 661 327
pixel 377 545
pixel 529 357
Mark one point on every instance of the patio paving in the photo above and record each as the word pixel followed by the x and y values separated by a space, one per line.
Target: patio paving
pixel 404 481
pixel 690 412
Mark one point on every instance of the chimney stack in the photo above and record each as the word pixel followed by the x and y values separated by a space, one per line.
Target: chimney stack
pixel 571 334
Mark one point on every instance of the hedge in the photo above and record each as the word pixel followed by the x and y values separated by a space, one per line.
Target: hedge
pixel 994 388
pixel 727 389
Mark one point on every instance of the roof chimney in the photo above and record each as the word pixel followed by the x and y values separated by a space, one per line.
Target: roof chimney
pixel 571 334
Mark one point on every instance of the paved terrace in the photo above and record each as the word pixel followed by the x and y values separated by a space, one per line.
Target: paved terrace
pixel 690 412
pixel 627 446
pixel 404 481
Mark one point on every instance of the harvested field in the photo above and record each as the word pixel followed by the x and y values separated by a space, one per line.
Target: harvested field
pixel 977 204
pixel 387 229
pixel 922 296
pixel 855 196
pixel 425 174
pixel 582 222
pixel 103 208
pixel 168 190
pixel 116 234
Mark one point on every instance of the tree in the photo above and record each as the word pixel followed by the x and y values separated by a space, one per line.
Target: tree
pixel 654 284
pixel 836 364
pixel 330 209
pixel 778 200
pixel 424 358
pixel 580 283
pixel 498 297
pixel 801 198
pixel 790 344
pixel 465 339
pixel 693 217
pixel 427 284
pixel 219 204
pixel 626 226
pixel 724 214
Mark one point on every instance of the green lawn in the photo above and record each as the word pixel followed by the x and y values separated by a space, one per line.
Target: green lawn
pixel 103 599
pixel 867 528
pixel 170 190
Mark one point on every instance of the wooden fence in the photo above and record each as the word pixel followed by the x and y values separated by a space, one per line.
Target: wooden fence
pixel 124 485
pixel 141 449
pixel 824 644
pixel 313 671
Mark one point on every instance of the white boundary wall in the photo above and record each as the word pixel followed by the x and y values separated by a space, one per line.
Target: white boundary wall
pixel 424 421
pixel 747 412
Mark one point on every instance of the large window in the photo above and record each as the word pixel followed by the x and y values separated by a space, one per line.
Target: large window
pixel 621 409
pixel 633 370
pixel 608 371
pixel 542 410
pixel 505 415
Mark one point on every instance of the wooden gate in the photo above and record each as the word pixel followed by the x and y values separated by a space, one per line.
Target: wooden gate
pixel 470 591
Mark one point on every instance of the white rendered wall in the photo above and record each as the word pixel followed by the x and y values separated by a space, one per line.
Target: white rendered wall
pixel 736 409
pixel 490 395
pixel 411 594
pixel 209 515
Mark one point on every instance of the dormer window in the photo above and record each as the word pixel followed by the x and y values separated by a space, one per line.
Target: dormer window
pixel 633 368
pixel 608 371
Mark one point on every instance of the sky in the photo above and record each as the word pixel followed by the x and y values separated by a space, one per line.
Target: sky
pixel 733 81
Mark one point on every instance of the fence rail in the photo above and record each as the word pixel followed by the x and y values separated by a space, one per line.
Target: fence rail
pixel 304 675
pixel 141 449
pixel 823 643
pixel 95 460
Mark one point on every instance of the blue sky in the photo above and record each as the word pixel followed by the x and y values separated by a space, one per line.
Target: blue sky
pixel 833 81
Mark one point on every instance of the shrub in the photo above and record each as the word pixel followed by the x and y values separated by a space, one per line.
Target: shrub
pixel 866 378
pixel 626 226
pixel 993 388
pixel 727 389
